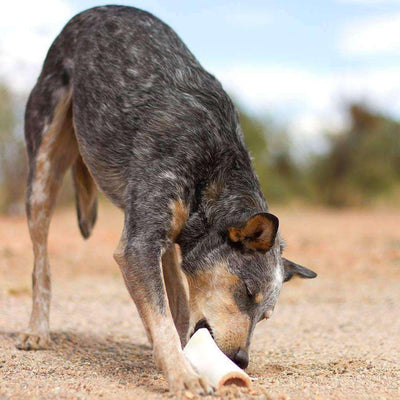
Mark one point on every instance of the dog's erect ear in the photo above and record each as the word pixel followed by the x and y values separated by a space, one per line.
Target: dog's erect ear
pixel 259 232
pixel 292 268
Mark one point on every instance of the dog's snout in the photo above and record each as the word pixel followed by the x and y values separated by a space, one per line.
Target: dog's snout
pixel 241 359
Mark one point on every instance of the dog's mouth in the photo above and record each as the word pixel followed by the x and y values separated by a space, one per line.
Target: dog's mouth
pixel 202 324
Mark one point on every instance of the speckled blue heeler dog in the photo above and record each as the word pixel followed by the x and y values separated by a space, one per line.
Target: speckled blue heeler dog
pixel 124 104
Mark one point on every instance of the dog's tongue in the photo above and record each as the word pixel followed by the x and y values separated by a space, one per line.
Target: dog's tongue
pixel 211 363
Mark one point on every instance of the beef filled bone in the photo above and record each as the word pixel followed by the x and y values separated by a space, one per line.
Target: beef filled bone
pixel 211 363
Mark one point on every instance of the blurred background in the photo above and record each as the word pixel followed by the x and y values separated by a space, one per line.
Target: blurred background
pixel 317 85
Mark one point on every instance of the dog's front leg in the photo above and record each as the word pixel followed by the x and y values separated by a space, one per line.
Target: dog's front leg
pixel 140 263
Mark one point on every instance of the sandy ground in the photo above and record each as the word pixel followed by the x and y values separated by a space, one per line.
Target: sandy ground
pixel 335 337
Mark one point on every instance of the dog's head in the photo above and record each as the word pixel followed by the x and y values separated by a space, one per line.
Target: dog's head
pixel 237 283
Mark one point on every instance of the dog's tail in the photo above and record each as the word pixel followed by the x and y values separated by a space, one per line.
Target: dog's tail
pixel 85 196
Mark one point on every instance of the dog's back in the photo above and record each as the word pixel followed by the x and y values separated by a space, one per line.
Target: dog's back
pixel 142 104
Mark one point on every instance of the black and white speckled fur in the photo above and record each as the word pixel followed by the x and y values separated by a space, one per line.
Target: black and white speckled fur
pixel 154 128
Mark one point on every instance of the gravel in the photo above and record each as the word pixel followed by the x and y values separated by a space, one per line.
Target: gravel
pixel 335 337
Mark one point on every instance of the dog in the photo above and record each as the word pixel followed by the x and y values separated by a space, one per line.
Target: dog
pixel 123 103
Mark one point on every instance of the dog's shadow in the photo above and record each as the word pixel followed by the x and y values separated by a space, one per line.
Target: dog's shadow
pixel 117 359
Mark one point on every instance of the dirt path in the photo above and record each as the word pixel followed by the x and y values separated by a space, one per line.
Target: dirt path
pixel 337 337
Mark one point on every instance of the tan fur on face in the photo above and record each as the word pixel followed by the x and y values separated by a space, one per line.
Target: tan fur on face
pixel 212 297
pixel 180 215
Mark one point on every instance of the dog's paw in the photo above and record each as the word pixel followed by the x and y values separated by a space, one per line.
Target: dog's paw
pixel 186 379
pixel 32 341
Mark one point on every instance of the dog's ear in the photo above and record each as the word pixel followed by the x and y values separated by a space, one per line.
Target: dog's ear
pixel 259 232
pixel 292 269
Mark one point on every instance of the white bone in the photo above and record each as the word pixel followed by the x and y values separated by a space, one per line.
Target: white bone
pixel 211 363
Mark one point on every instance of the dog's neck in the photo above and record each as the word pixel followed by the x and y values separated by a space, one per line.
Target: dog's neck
pixel 238 200
pixel 227 200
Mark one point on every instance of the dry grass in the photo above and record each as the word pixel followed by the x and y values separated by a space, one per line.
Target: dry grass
pixel 336 337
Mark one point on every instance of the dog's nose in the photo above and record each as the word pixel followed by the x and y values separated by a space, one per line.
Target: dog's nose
pixel 241 359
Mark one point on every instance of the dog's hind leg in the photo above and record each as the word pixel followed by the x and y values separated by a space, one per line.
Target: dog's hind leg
pixel 51 152
pixel 177 292
pixel 86 197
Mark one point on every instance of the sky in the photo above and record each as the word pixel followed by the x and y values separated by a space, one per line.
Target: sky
pixel 299 62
